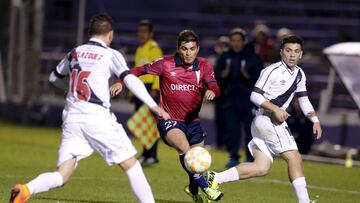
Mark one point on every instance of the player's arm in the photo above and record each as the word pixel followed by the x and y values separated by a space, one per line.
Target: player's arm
pixel 308 111
pixel 58 76
pixel 136 86
pixel 154 68
pixel 258 99
pixel 306 106
pixel 116 88
pixel 209 76
pixel 156 53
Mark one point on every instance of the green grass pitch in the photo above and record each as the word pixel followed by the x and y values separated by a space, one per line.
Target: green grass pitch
pixel 26 152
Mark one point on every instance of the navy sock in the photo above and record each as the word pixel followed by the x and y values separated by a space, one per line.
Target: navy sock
pixel 196 180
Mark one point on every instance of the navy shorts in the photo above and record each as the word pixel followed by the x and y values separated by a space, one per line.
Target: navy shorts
pixel 193 131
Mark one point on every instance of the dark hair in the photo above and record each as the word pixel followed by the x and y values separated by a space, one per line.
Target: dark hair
pixel 187 36
pixel 100 24
pixel 291 39
pixel 238 31
pixel 147 23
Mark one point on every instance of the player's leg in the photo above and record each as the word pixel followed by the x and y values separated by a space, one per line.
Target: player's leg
pixel 260 151
pixel 42 183
pixel 259 167
pixel 72 144
pixel 47 181
pixel 137 179
pixel 178 140
pixel 111 141
pixel 175 137
pixel 296 174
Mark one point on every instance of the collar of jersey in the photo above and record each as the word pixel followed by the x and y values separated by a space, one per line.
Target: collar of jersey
pixel 288 68
pixel 179 62
pixel 97 42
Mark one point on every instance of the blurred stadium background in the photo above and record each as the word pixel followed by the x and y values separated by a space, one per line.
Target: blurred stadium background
pixel 35 35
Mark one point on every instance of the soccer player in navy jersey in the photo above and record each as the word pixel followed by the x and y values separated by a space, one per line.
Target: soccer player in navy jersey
pixel 185 79
pixel 272 93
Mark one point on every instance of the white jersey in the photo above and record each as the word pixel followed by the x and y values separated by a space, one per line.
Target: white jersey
pixel 278 84
pixel 89 68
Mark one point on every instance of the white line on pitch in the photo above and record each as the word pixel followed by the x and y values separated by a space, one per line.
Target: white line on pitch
pixel 275 181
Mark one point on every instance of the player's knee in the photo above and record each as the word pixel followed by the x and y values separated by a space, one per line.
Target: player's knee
pixel 127 164
pixel 262 171
pixel 295 160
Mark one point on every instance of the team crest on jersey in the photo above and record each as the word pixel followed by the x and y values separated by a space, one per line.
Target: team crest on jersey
pixel 172 73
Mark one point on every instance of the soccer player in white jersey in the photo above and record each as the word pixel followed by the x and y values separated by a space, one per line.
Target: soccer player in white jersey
pixel 88 122
pixel 274 90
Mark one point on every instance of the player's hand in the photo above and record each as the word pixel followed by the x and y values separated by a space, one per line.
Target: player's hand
pixel 161 112
pixel 115 89
pixel 209 95
pixel 317 130
pixel 280 115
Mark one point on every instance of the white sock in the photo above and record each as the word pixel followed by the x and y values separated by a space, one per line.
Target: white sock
pixel 227 176
pixel 139 184
pixel 299 185
pixel 45 182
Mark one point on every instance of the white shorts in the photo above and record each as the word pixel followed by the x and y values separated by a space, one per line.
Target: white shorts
pixel 108 137
pixel 272 139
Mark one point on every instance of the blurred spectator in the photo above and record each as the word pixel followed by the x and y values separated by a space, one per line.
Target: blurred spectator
pixel 221 46
pixel 238 69
pixel 147 52
pixel 280 35
pixel 263 44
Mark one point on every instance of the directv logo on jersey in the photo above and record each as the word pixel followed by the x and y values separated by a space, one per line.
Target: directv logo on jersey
pixel 179 87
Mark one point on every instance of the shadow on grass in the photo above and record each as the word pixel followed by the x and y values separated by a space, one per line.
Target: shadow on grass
pixel 95 201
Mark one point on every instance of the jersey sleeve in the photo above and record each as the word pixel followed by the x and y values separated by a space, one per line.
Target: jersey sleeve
pixel 209 77
pixel 264 79
pixel 209 74
pixel 62 69
pixel 156 54
pixel 154 68
pixel 118 64
pixel 301 86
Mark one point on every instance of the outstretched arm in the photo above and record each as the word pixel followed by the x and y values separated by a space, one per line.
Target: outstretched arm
pixel 258 99
pixel 116 88
pixel 135 85
pixel 58 76
pixel 309 112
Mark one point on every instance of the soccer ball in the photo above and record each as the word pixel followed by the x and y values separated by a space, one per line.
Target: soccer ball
pixel 197 160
